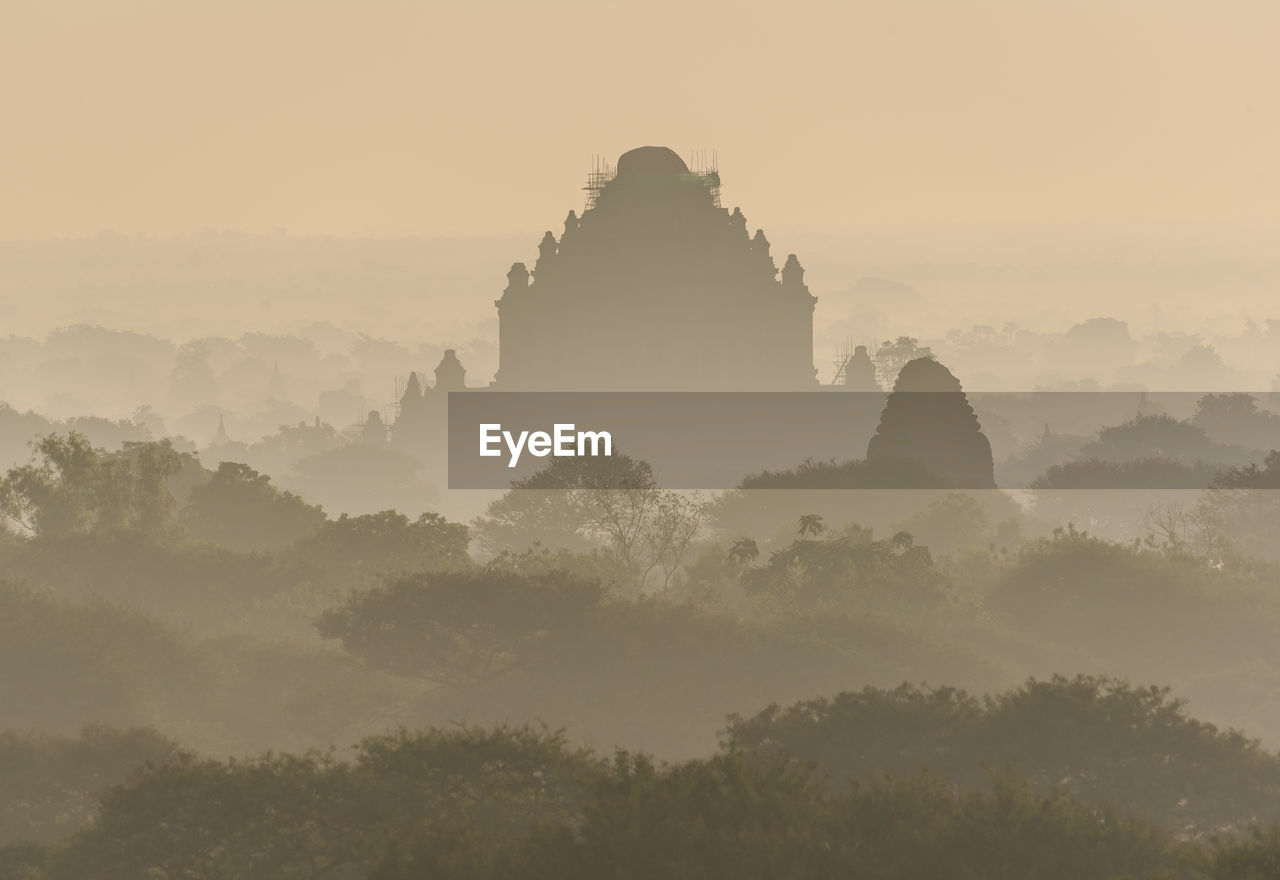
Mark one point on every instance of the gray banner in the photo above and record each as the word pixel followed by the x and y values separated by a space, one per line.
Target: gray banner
pixel 716 440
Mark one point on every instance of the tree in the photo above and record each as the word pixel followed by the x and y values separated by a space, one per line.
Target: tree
pixel 491 786
pixel 312 817
pixel 1137 473
pixel 1235 418
pixel 767 818
pixel 1254 856
pixel 957 521
pixel 386 542
pixel 615 502
pixel 1251 476
pixel 1173 528
pixel 858 473
pixel 891 357
pixel 672 524
pixel 846 568
pixel 1099 740
pixel 1154 436
pixel 743 551
pixel 811 524
pixel 239 509
pixel 23 861
pixel 276 817
pixel 1242 509
pixel 76 489
pixel 1156 611
pixel 70 661
pixel 598 565
pixel 458 627
pixel 49 785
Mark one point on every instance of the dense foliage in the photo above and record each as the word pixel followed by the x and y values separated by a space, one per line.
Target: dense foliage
pixel 474 803
pixel 165 621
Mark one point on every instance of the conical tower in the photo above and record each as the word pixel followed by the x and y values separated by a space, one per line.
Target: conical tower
pixel 656 287
pixel 927 423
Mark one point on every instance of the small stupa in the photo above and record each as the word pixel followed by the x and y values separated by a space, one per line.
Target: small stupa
pixel 928 422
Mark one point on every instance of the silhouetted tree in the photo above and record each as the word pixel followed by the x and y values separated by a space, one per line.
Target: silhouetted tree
pixel 743 551
pixel 1251 476
pixel 75 489
pixel 811 525
pixel 240 509
pixel 1154 437
pixel 1097 739
pixel 457 627
pixel 386 542
pixel 1234 418
pixel 848 568
pixel 49 786
pixel 585 502
pixel 1243 508
pixel 1136 473
pixel 891 357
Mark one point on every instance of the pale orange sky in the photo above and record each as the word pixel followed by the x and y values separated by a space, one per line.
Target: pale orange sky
pixel 414 118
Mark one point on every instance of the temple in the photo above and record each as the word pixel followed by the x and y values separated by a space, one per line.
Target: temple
pixel 655 287
pixel 420 412
pixel 928 425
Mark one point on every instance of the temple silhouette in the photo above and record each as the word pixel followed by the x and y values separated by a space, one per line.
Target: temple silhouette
pixel 421 411
pixel 927 422
pixel 655 287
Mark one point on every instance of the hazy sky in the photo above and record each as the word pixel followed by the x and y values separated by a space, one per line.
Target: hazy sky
pixel 385 117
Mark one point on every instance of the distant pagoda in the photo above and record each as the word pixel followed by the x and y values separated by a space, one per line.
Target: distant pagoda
pixel 655 287
pixel 928 423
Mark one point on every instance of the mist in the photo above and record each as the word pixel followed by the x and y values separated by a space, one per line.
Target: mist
pixel 262 266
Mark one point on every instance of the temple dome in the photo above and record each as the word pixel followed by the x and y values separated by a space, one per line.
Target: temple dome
pixel 926 374
pixel 651 160
pixel 928 421
pixel 655 287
